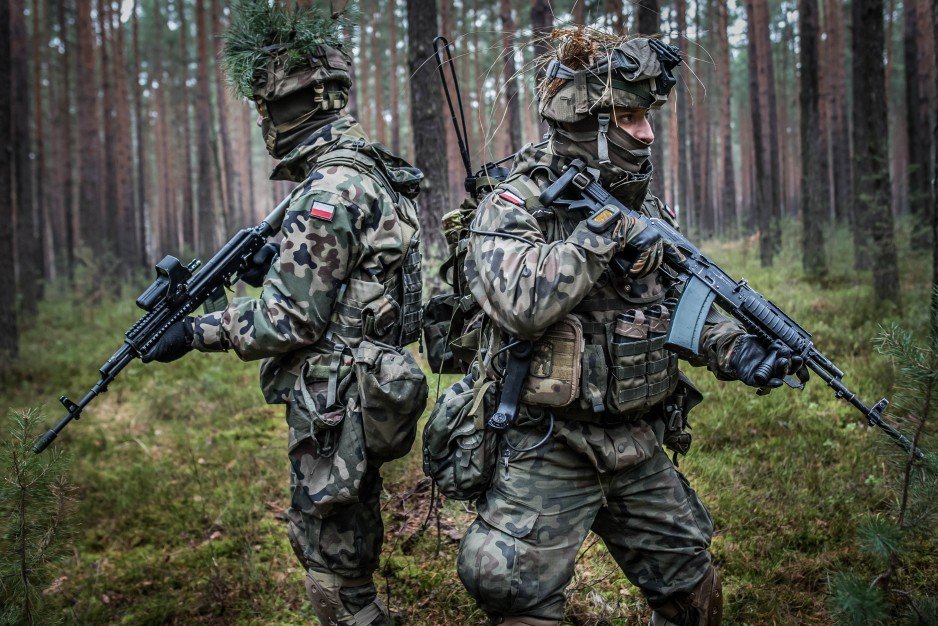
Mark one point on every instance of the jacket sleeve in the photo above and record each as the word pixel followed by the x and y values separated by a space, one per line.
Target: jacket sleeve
pixel 716 344
pixel 522 282
pixel 319 248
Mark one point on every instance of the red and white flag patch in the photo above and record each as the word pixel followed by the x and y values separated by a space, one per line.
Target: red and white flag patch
pixel 510 197
pixel 323 211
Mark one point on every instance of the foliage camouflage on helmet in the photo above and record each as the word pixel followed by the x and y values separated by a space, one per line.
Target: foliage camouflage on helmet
pixel 271 51
pixel 589 71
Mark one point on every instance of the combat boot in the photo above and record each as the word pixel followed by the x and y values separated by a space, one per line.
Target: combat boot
pixel 523 620
pixel 337 601
pixel 702 606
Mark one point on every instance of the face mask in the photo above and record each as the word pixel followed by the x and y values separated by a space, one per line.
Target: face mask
pixel 299 121
pixel 626 151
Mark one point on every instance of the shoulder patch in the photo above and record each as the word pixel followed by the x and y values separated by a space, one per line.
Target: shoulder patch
pixel 322 210
pixel 670 211
pixel 512 198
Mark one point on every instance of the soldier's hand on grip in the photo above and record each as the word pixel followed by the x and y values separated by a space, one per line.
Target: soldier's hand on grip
pixel 765 367
pixel 175 343
pixel 640 247
pixel 260 264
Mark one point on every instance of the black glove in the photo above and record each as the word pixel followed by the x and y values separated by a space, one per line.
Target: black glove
pixel 174 344
pixel 640 248
pixel 260 264
pixel 762 367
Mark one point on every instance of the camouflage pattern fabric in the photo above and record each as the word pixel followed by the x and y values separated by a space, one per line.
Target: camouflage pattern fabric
pixel 344 238
pixel 603 468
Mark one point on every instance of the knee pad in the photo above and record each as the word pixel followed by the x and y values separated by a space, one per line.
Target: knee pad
pixel 701 606
pixel 338 601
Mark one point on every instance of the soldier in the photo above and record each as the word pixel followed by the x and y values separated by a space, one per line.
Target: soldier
pixel 337 304
pixel 586 450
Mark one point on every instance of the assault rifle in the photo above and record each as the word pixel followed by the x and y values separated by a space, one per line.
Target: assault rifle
pixel 705 284
pixel 177 291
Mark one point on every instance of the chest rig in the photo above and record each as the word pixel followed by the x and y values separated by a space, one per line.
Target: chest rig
pixel 625 368
pixel 389 311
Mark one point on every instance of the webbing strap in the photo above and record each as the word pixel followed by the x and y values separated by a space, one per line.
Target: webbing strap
pixel 631 348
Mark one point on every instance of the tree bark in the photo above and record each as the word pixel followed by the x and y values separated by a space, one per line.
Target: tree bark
pixel 813 175
pixel 648 20
pixel 394 87
pixel 871 165
pixel 840 118
pixel 728 193
pixel 917 124
pixel 208 240
pixel 763 165
pixel 65 118
pixel 681 91
pixel 510 79
pixel 378 48
pixel 185 222
pixel 229 170
pixel 142 214
pixel 107 184
pixel 127 217
pixel 86 106
pixel 426 123
pixel 42 221
pixel 28 239
pixel 9 334
pixel 542 22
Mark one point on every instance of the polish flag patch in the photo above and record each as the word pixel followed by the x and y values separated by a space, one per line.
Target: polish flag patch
pixel 322 211
pixel 510 197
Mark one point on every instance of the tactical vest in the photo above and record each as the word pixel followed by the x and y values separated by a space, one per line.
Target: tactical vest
pixel 625 369
pixel 391 313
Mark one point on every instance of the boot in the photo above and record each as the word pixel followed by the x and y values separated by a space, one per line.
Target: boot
pixel 702 606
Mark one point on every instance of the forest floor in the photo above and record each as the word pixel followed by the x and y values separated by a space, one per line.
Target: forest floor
pixel 182 477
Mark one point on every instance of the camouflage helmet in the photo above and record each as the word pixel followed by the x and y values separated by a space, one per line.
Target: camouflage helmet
pixel 289 61
pixel 590 72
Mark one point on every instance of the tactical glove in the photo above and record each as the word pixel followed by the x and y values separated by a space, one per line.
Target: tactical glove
pixel 175 343
pixel 640 248
pixel 260 264
pixel 762 367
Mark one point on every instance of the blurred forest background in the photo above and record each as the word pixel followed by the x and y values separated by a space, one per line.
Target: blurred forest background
pixel 799 146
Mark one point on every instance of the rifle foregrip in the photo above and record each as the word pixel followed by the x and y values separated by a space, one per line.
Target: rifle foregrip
pixel 43 442
pixel 763 372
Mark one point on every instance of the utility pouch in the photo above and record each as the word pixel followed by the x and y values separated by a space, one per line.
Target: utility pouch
pixel 676 408
pixel 438 315
pixel 326 448
pixel 459 452
pixel 554 373
pixel 393 394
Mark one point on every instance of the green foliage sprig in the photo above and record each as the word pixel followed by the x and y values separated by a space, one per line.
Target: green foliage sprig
pixel 261 30
pixel 35 501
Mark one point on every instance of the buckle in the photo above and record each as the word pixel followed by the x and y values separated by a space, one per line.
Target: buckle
pixel 581 181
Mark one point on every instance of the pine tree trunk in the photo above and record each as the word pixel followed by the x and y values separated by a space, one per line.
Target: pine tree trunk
pixel 142 214
pixel 648 20
pixel 542 22
pixel 9 334
pixel 65 118
pixel 728 193
pixel 107 196
pixel 840 118
pixel 377 45
pixel 455 171
pixel 229 172
pixel 512 102
pixel 185 222
pixel 917 123
pixel 86 106
pixel 208 240
pixel 681 91
pixel 41 179
pixel 127 218
pixel 394 87
pixel 363 69
pixel 763 165
pixel 426 123
pixel 28 240
pixel 813 175
pixel 871 165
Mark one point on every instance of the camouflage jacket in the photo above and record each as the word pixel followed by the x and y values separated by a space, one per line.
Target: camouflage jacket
pixel 342 234
pixel 545 264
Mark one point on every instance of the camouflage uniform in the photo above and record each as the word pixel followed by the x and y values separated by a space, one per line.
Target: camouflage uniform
pixel 601 466
pixel 345 237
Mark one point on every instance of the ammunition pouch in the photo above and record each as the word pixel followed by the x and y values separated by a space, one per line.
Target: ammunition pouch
pixel 459 452
pixel 393 394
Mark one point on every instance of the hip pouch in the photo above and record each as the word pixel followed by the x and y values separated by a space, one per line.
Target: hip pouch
pixel 459 453
pixel 553 378
pixel 393 394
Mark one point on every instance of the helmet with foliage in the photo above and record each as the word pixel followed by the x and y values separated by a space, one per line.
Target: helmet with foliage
pixel 290 62
pixel 589 76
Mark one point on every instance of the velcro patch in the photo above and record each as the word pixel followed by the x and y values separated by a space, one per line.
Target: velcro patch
pixel 510 197
pixel 670 212
pixel 323 211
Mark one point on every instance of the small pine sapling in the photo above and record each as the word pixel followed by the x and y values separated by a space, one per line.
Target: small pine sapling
pixel 35 502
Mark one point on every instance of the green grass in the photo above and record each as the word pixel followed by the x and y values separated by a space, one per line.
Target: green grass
pixel 182 476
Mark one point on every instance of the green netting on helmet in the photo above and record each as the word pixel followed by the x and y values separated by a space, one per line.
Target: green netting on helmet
pixel 267 43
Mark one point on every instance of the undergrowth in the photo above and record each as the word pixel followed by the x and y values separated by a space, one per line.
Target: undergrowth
pixel 181 476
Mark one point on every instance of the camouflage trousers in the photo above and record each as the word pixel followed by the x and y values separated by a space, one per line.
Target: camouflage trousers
pixel 344 538
pixel 518 556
